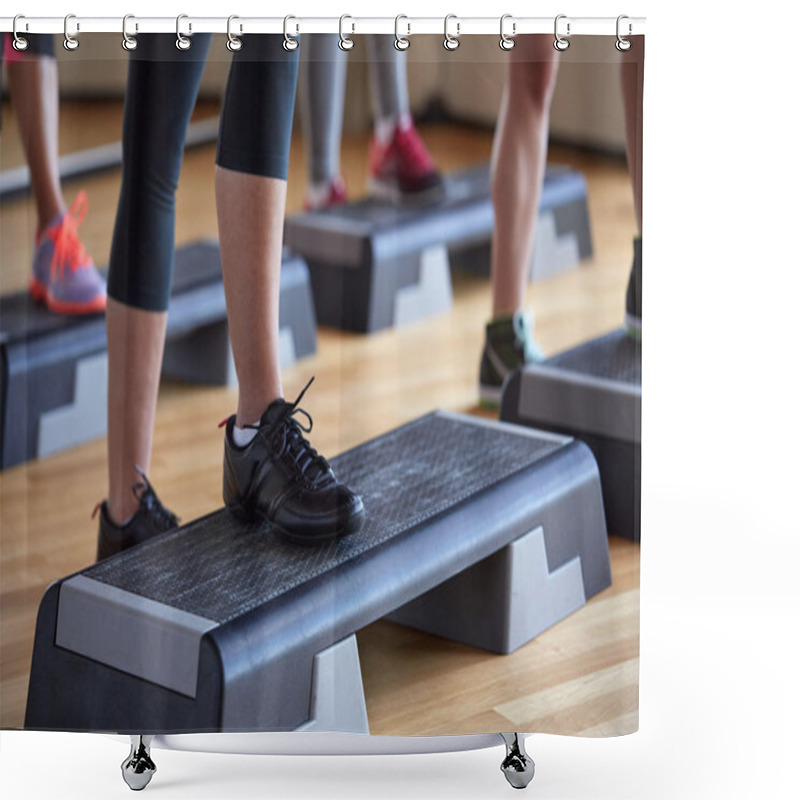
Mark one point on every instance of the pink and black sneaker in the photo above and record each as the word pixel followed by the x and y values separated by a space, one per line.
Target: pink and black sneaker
pixel 64 277
pixel 402 170
pixel 329 195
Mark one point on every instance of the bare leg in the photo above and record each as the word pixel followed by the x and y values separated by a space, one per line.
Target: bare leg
pixel 33 83
pixel 250 211
pixel 518 164
pixel 135 350
pixel 632 79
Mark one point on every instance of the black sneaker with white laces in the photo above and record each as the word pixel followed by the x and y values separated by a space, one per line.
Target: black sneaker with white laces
pixel 150 519
pixel 279 478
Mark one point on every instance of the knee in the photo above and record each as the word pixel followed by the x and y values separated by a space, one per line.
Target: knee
pixel 532 84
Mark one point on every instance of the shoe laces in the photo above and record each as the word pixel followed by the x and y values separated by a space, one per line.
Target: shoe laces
pixel 162 517
pixel 412 150
pixel 69 252
pixel 523 333
pixel 286 435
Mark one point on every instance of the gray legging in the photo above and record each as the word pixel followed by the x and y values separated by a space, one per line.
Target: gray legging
pixel 322 87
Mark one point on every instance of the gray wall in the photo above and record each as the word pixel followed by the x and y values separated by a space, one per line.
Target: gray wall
pixel 587 107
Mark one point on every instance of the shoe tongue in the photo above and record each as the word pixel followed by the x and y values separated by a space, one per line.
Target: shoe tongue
pixel 274 411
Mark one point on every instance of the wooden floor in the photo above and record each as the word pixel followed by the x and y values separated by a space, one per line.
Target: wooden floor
pixel 579 677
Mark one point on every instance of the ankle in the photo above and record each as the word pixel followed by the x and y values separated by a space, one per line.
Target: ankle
pixel 49 217
pixel 250 413
pixel 118 514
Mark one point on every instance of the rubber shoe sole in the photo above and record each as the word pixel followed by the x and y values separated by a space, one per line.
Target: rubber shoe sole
pixel 247 516
pixel 40 294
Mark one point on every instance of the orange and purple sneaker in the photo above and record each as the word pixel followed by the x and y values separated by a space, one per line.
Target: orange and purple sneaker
pixel 64 277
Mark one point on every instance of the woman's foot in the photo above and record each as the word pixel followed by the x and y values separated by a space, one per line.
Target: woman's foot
pixel 401 168
pixel 150 519
pixel 64 276
pixel 327 194
pixel 279 478
pixel 509 344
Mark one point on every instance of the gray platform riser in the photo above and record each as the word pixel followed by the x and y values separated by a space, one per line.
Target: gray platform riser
pixel 603 413
pixel 52 404
pixel 320 618
pixel 304 632
pixel 265 609
pixel 38 402
pixel 506 600
pixel 389 293
pixel 103 695
pixel 620 466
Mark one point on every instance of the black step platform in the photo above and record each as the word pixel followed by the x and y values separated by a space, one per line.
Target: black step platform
pixel 594 393
pixel 54 370
pixel 220 626
pixel 375 265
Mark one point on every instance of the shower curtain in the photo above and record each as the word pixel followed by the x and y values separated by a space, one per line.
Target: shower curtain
pixel 447 241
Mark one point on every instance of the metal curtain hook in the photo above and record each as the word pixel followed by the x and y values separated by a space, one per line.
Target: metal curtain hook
pixel 289 42
pixel 623 45
pixel 234 43
pixel 70 42
pixel 182 42
pixel 451 42
pixel 20 43
pixel 128 42
pixel 506 42
pixel 345 43
pixel 560 42
pixel 401 42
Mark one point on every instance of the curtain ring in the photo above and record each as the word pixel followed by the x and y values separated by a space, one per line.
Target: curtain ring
pixel 290 44
pixel 128 42
pixel 560 42
pixel 506 42
pixel 234 43
pixel 20 43
pixel 401 42
pixel 451 42
pixel 345 43
pixel 622 44
pixel 182 42
pixel 70 42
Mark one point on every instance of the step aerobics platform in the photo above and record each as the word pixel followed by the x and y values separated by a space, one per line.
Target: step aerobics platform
pixel 594 393
pixel 375 265
pixel 220 626
pixel 54 369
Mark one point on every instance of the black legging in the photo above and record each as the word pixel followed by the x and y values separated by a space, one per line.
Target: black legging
pixel 254 136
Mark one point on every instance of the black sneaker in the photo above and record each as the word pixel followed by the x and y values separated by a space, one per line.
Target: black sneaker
pixel 633 297
pixel 509 344
pixel 278 477
pixel 150 519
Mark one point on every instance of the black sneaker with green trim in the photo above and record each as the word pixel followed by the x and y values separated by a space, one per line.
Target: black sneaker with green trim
pixel 509 344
